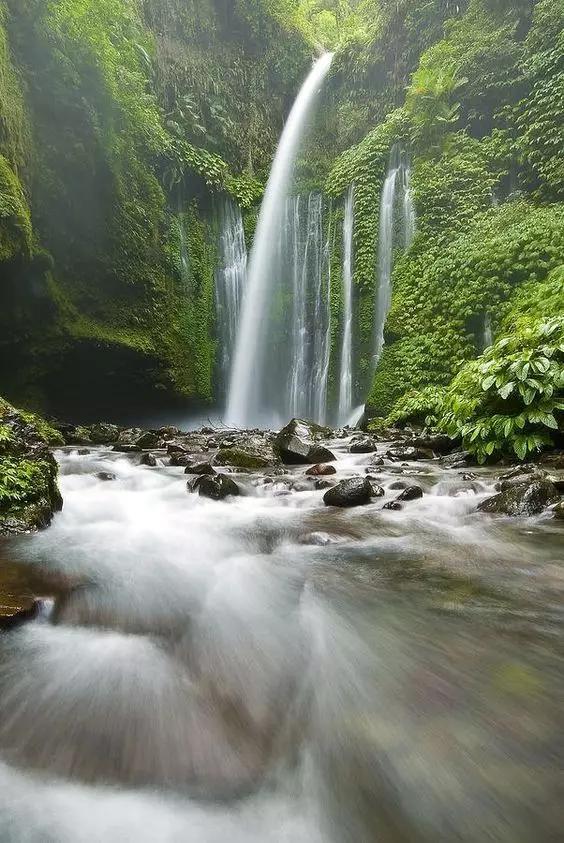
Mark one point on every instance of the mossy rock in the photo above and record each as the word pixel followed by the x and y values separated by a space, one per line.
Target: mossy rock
pixel 29 495
pixel 239 458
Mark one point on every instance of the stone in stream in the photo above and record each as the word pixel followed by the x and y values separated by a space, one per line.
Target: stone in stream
pixel 323 484
pixel 354 492
pixel 397 485
pixel 363 446
pixel 321 470
pixel 126 448
pixel 202 468
pixel 439 443
pixel 105 476
pixel 241 458
pixel 27 609
pixel 175 448
pixel 148 440
pixel 530 497
pixel 149 460
pixel 392 505
pixel 558 511
pixel 320 454
pixel 180 459
pixel 412 493
pixel 294 451
pixel 377 461
pixel 216 488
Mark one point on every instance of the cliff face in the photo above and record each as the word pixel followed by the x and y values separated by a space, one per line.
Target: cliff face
pixel 122 124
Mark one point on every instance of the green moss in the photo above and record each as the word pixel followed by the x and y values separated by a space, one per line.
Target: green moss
pixel 15 221
pixel 241 459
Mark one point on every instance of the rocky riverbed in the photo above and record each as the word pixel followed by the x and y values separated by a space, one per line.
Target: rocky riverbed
pixel 313 635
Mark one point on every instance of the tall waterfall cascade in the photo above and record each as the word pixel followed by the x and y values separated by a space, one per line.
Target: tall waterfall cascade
pixel 256 389
pixel 397 229
pixel 346 372
pixel 230 280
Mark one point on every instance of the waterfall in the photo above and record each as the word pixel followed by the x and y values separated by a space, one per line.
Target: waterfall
pixel 298 355
pixel 247 402
pixel 184 260
pixel 346 377
pixel 396 201
pixel 487 337
pixel 229 282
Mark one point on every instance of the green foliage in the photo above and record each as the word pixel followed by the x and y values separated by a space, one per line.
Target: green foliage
pixel 15 221
pixel 22 482
pixel 511 399
pixel 440 287
pixel 541 114
pixel 417 406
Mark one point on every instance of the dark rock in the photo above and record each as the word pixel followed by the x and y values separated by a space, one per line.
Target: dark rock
pixel 363 446
pixel 104 434
pixel 180 459
pixel 319 454
pixel 323 484
pixel 528 498
pixel 149 460
pixel 176 448
pixel 469 476
pixel 106 476
pixel 202 468
pixel 438 443
pixel 458 459
pixel 354 492
pixel 148 440
pixel 167 433
pixel 124 448
pixel 217 487
pixel 558 511
pixel 377 461
pixel 517 479
pixel 412 493
pixel 321 470
pixel 130 435
pixel 398 484
pixel 12 616
pixel 402 452
pixel 392 505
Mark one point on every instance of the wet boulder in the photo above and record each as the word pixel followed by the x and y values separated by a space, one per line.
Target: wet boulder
pixel 321 470
pixel 438 443
pixel 392 505
pixel 354 492
pixel 295 451
pixel 216 487
pixel 322 483
pixel 243 458
pixel 403 452
pixel 149 460
pixel 458 459
pixel 201 469
pixel 412 493
pixel 558 511
pixel 126 448
pixel 320 454
pixel 149 439
pixel 180 459
pixel 306 429
pixel 377 490
pixel 363 446
pixel 104 434
pixel 518 478
pixel 528 498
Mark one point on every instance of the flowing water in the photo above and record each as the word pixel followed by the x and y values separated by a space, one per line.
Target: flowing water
pixel 346 375
pixel 250 375
pixel 230 281
pixel 397 229
pixel 270 669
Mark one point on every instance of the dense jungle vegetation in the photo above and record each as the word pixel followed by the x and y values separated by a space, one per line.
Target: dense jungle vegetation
pixel 123 122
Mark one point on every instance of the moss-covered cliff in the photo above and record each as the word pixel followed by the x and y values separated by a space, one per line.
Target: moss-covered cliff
pixel 120 123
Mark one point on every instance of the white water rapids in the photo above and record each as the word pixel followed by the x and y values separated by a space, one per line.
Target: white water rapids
pixel 270 670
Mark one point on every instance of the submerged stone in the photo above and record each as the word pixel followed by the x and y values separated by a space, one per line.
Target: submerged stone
pixel 321 470
pixel 216 488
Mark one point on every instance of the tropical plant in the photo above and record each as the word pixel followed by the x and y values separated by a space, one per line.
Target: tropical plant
pixel 511 399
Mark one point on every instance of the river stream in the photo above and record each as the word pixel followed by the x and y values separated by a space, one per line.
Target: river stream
pixel 271 669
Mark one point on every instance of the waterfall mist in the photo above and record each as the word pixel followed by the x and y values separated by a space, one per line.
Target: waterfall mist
pixel 346 380
pixel 247 402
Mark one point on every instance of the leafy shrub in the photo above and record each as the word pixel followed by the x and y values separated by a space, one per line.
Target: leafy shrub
pixel 417 406
pixel 22 481
pixel 511 399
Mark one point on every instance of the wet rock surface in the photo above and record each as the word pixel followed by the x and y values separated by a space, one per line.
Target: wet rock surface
pixel 354 492
pixel 530 497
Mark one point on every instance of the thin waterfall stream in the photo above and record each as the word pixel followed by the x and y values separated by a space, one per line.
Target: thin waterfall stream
pixel 230 280
pixel 346 379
